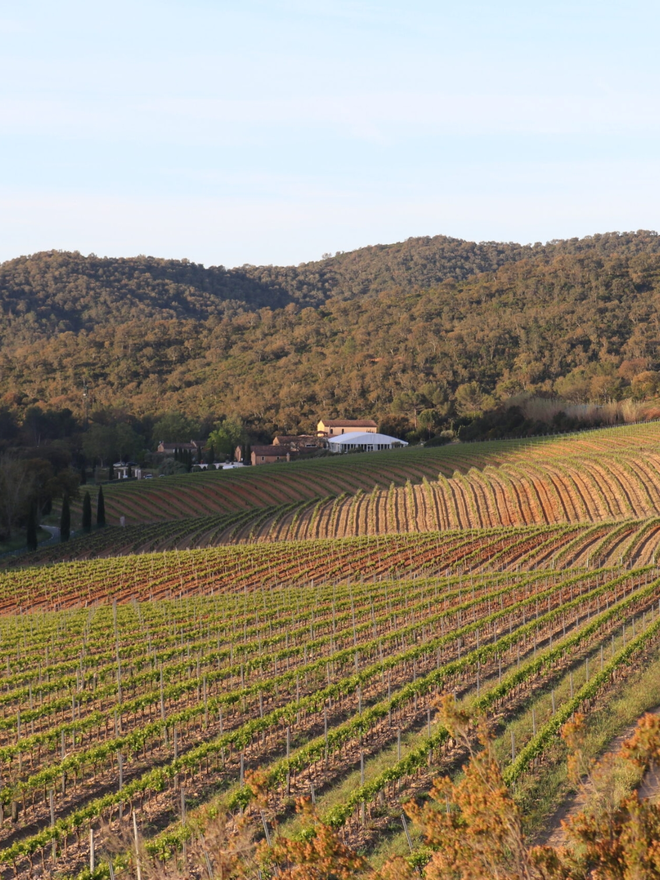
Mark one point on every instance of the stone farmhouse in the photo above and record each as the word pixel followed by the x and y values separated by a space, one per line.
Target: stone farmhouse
pixel 270 454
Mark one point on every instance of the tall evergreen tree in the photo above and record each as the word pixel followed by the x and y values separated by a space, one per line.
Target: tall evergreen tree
pixel 32 541
pixel 87 513
pixel 100 508
pixel 111 472
pixel 65 520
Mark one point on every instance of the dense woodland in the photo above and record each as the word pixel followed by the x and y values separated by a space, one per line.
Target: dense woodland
pixel 403 332
pixel 55 292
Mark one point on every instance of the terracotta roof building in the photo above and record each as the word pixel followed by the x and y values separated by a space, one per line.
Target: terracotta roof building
pixel 270 454
pixel 337 427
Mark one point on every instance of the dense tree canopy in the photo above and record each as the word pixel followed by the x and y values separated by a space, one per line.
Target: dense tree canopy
pixel 58 292
pixel 407 331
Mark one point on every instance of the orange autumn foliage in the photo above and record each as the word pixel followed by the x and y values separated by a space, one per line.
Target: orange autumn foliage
pixel 473 827
pixel 318 855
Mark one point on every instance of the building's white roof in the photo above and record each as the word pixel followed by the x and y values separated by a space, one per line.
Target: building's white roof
pixel 354 438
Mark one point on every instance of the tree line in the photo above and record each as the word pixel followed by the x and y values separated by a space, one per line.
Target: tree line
pixel 47 456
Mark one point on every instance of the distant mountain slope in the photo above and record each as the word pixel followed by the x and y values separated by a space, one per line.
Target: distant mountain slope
pixel 419 263
pixel 56 292
pixel 583 325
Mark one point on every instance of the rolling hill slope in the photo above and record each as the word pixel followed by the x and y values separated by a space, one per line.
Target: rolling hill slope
pixel 55 292
pixel 607 478
pixel 605 474
pixel 359 333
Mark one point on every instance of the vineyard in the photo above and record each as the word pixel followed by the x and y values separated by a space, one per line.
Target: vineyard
pixel 232 659
pixel 163 709
pixel 602 474
pixel 600 477
pixel 150 576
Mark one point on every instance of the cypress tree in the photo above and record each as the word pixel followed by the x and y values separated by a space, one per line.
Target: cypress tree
pixel 211 454
pixel 100 508
pixel 65 520
pixel 111 472
pixel 87 514
pixel 32 541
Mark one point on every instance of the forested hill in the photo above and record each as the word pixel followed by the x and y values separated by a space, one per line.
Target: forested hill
pixel 581 321
pixel 56 292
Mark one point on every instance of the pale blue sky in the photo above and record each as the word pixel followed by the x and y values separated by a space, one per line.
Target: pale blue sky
pixel 272 132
